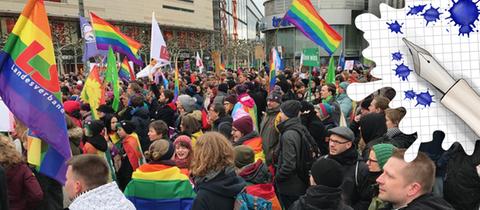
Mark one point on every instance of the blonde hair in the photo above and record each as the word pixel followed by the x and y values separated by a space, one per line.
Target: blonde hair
pixel 9 156
pixel 421 169
pixel 213 152
pixel 157 149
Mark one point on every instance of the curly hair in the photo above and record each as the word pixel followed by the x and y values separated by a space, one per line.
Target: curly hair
pixel 213 152
pixel 9 156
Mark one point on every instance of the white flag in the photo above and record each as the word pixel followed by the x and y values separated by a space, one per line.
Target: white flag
pixel 158 47
pixel 199 63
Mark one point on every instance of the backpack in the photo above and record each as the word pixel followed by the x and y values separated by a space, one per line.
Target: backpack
pixel 309 152
pixel 245 201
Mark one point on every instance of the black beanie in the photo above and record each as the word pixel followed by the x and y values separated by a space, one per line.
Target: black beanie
pixel 223 87
pixel 291 108
pixel 327 172
pixel 127 126
pixel 95 127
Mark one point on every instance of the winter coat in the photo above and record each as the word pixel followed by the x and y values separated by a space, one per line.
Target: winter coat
pixel 74 136
pixel 132 158
pixel 288 180
pixel 96 145
pixel 336 110
pixel 254 142
pixel 223 125
pixel 355 171
pixel 269 134
pixel 320 197
pixel 24 191
pixel 462 182
pixel 52 193
pixel 3 190
pixel 220 97
pixel 141 119
pixel 317 130
pixel 425 202
pixel 345 105
pixel 104 197
pixel 217 190
pixel 259 95
pixel 400 139
pixel 166 113
pixel 368 190
pixel 373 128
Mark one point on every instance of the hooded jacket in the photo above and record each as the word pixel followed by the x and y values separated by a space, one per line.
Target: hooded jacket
pixel 217 190
pixel 104 197
pixel 269 134
pixel 141 119
pixel 320 197
pixel 373 130
pixel 287 177
pixel 317 130
pixel 95 145
pixel 259 183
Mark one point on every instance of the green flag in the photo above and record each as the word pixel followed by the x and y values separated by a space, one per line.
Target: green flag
pixel 330 78
pixel 111 76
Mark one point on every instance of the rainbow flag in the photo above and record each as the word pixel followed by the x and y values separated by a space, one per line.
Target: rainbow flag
pixel 126 72
pixel 303 15
pixel 176 88
pixel 29 86
pixel 107 34
pixel 93 91
pixel 256 145
pixel 158 186
pixel 275 64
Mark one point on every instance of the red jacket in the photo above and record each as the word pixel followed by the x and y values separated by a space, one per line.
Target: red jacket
pixel 24 191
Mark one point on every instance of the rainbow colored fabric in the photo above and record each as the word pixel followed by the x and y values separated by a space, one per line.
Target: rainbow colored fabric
pixel 108 35
pixel 256 145
pixel 275 64
pixel 246 107
pixel 126 73
pixel 158 186
pixel 176 88
pixel 303 15
pixel 93 91
pixel 29 86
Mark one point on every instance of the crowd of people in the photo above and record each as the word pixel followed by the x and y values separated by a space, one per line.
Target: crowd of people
pixel 228 139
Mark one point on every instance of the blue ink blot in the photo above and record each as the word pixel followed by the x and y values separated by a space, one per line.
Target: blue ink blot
pixel 415 10
pixel 464 13
pixel 395 27
pixel 424 99
pixel 397 56
pixel 402 71
pixel 410 94
pixel 432 14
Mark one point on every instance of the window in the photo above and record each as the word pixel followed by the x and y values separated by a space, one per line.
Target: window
pixel 178 8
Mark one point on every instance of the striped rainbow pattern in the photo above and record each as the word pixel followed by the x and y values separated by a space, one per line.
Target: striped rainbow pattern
pixel 176 88
pixel 29 86
pixel 256 145
pixel 303 15
pixel 106 34
pixel 157 186
pixel 126 73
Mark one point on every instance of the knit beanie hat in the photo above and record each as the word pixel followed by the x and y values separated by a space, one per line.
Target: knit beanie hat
pixel 275 96
pixel 127 126
pixel 291 108
pixel 327 172
pixel 71 106
pixel 105 109
pixel 95 127
pixel 344 85
pixel 244 125
pixel 160 150
pixel 383 152
pixel 184 140
pixel 244 155
pixel 187 102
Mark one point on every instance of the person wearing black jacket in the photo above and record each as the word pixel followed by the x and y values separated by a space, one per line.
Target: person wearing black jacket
pixel 373 129
pixel 325 191
pixel 289 183
pixel 3 190
pixel 141 119
pixel 166 109
pixel 314 125
pixel 354 169
pixel 220 121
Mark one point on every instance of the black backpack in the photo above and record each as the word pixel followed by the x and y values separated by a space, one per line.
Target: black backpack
pixel 309 153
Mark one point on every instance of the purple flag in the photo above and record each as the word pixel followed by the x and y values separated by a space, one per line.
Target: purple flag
pixel 90 48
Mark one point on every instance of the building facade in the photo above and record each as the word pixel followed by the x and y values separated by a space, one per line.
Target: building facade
pixel 189 24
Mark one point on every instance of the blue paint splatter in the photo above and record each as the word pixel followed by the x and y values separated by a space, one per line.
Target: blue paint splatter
pixel 397 56
pixel 395 27
pixel 464 13
pixel 402 71
pixel 424 99
pixel 410 94
pixel 415 10
pixel 432 14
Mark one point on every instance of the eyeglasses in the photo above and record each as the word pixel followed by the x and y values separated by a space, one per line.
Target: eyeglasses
pixel 338 142
pixel 372 161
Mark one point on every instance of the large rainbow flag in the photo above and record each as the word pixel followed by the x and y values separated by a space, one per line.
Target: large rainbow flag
pixel 107 34
pixel 29 86
pixel 93 91
pixel 303 15
pixel 158 186
pixel 274 66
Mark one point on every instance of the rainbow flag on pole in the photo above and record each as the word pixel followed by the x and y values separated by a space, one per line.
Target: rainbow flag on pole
pixel 303 15
pixel 158 186
pixel 126 72
pixel 29 86
pixel 176 88
pixel 275 64
pixel 107 34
